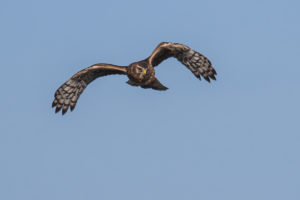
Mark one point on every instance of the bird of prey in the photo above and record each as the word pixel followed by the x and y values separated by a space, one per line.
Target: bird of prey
pixel 140 73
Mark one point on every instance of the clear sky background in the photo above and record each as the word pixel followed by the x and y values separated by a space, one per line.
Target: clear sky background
pixel 236 138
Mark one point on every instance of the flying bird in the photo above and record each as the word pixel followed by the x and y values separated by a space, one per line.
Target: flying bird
pixel 140 73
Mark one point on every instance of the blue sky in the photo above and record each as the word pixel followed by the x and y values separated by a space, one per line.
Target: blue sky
pixel 236 138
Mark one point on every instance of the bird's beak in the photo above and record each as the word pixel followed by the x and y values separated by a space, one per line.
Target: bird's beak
pixel 145 71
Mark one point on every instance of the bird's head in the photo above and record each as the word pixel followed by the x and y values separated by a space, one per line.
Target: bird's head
pixel 140 72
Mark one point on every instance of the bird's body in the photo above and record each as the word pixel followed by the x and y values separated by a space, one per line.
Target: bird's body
pixel 140 73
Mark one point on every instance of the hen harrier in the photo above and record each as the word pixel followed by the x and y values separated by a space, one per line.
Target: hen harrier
pixel 140 73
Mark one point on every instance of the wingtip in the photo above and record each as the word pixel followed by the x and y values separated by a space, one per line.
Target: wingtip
pixel 215 72
pixel 213 77
pixel 57 109
pixel 63 112
pixel 54 103
pixel 65 108
pixel 198 76
pixel 207 79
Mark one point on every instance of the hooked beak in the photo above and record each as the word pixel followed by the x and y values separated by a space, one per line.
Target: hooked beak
pixel 145 71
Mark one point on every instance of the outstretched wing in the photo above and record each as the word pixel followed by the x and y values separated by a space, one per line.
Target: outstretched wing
pixel 193 60
pixel 67 95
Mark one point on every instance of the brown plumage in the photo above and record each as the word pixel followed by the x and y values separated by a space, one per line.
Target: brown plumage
pixel 140 73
